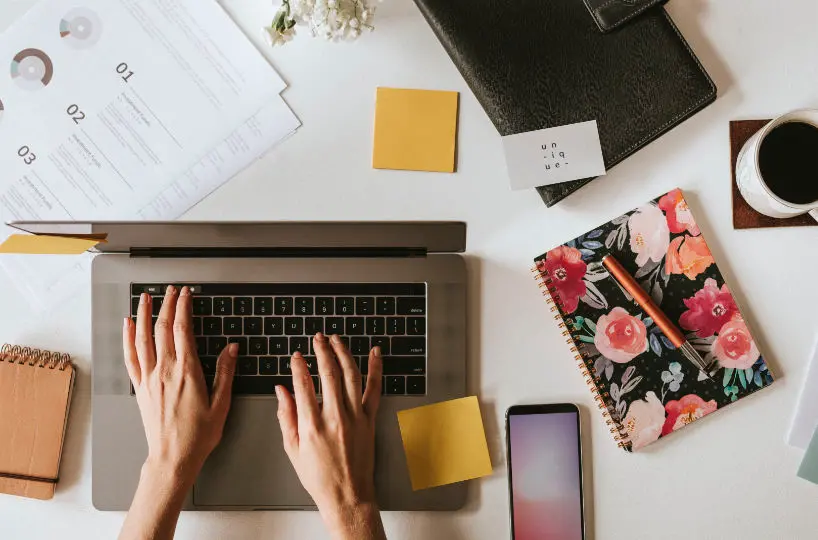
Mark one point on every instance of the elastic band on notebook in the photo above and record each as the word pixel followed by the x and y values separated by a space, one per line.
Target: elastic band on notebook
pixel 29 478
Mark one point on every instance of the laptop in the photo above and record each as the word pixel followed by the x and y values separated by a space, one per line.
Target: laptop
pixel 270 287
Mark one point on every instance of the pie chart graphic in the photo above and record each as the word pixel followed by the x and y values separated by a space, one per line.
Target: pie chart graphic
pixel 32 69
pixel 80 28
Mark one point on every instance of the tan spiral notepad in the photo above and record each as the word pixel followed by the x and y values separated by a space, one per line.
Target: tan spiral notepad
pixel 35 395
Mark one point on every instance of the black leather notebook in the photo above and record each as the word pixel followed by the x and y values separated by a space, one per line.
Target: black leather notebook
pixel 535 64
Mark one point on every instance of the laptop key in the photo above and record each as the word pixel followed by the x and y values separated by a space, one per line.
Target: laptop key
pixel 279 345
pixel 247 365
pixel 232 326
pixel 354 326
pixel 253 326
pixel 384 343
pixel 395 326
pixel 404 365
pixel 408 346
pixel 416 386
pixel 416 326
pixel 304 306
pixel 222 306
pixel 201 346
pixel 157 304
pixel 359 345
pixel 294 326
pixel 313 325
pixel 197 326
pixel 385 305
pixel 365 305
pixel 208 364
pixel 363 364
pixel 134 305
pixel 283 305
pixel 334 325
pixel 285 368
pixel 257 346
pixel 243 306
pixel 300 344
pixel 324 306
pixel 345 306
pixel 375 326
pixel 415 305
pixel 212 326
pixel 395 385
pixel 202 305
pixel 262 306
pixel 242 341
pixel 260 386
pixel 215 345
pixel 268 365
pixel 273 326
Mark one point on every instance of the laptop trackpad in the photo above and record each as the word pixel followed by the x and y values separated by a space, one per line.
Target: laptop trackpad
pixel 250 467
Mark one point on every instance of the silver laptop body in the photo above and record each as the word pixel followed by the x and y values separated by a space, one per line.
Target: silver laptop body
pixel 250 470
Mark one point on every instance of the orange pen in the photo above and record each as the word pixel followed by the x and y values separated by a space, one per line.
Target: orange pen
pixel 669 329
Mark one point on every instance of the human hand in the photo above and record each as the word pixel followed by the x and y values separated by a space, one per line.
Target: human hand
pixel 183 424
pixel 332 446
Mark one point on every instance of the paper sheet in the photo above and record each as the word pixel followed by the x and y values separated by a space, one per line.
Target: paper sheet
pixel 445 443
pixel 415 130
pixel 805 420
pixel 809 465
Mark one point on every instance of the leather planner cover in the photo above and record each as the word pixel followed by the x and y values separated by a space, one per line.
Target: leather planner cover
pixel 535 64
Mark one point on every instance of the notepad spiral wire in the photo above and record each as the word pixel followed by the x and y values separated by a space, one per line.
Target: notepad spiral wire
pixel 594 382
pixel 15 354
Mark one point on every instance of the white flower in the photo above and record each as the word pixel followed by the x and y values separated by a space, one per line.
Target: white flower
pixel 330 19
pixel 353 23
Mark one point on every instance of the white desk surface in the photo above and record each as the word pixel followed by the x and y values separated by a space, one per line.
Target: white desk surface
pixel 729 477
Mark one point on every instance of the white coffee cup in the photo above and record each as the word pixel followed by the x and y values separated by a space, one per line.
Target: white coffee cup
pixel 751 183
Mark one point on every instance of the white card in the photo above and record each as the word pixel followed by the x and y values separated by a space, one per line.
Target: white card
pixel 554 155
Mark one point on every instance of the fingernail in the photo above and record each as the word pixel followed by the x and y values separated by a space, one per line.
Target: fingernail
pixel 144 298
pixel 233 349
pixel 278 391
pixel 185 291
pixel 336 338
pixel 319 337
pixel 297 354
pixel 171 290
pixel 377 351
pixel 125 322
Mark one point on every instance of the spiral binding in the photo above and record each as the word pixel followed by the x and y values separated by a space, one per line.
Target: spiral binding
pixel 15 354
pixel 594 382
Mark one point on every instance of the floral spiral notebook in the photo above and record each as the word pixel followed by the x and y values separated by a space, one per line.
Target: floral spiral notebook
pixel 644 386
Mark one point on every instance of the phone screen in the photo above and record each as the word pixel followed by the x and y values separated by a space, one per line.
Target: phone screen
pixel 545 474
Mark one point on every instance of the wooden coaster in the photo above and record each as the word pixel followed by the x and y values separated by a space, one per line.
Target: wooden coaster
pixel 744 216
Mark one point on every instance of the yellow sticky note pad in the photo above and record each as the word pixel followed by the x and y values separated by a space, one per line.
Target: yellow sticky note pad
pixel 445 443
pixel 33 244
pixel 415 130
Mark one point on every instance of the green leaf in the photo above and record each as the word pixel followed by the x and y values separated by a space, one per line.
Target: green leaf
pixel 749 374
pixel 590 325
pixel 728 376
pixel 586 339
pixel 742 379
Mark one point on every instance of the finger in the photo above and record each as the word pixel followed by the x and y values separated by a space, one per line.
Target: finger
pixel 351 375
pixel 145 348
pixel 183 340
pixel 129 349
pixel 306 403
pixel 165 350
pixel 374 384
pixel 288 421
pixel 223 384
pixel 330 375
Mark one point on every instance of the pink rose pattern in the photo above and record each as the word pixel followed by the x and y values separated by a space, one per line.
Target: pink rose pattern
pixel 652 390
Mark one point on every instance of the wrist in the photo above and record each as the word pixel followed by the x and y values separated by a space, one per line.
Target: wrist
pixel 171 474
pixel 353 521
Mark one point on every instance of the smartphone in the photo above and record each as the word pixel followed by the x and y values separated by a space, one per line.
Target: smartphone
pixel 545 472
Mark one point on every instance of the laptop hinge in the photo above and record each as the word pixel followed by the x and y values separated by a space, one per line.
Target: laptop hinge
pixel 275 252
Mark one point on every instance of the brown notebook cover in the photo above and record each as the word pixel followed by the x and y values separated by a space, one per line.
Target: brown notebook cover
pixel 35 395
pixel 744 216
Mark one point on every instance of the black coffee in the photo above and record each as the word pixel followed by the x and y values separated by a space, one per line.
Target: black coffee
pixel 788 160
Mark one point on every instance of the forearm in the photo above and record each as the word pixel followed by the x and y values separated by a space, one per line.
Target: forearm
pixel 156 506
pixel 362 522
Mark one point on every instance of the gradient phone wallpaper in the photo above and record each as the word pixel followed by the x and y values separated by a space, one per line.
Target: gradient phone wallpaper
pixel 546 490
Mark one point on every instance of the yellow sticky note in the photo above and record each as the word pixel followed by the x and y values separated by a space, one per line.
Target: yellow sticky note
pixel 415 130
pixel 444 443
pixel 34 244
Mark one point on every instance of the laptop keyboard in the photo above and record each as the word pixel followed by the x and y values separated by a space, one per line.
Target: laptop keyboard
pixel 271 321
